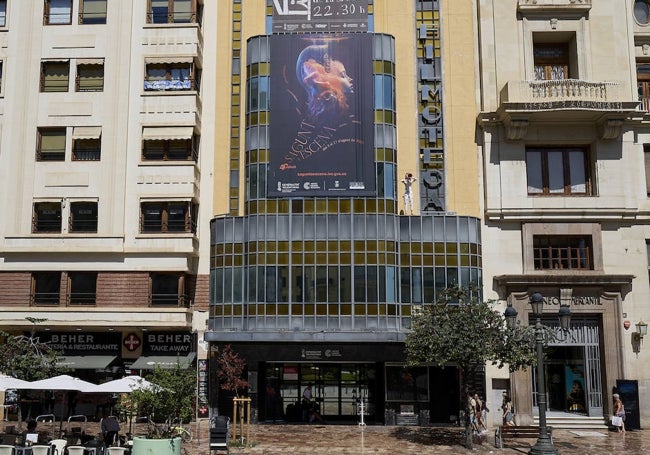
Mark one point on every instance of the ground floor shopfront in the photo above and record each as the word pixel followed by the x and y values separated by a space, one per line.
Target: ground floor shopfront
pixel 583 367
pixel 343 377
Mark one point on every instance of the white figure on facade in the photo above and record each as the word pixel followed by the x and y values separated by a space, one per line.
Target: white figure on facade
pixel 408 192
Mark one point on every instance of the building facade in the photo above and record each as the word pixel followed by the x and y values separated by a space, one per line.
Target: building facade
pixel 562 140
pixel 336 110
pixel 107 178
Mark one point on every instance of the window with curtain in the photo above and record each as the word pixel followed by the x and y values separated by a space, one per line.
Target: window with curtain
pixel 558 171
pixel 3 13
pixel 170 76
pixel 172 11
pixel 90 77
pixel 51 144
pixel 55 76
pixel 551 61
pixel 58 12
pixel 93 12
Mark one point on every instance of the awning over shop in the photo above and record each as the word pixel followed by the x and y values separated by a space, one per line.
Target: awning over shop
pixel 86 362
pixel 167 133
pixel 163 361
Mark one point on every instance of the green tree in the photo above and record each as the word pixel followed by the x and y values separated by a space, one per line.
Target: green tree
pixel 174 395
pixel 461 330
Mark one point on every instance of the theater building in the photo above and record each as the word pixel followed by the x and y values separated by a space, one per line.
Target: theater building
pixel 317 259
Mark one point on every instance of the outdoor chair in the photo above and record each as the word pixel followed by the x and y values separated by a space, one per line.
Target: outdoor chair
pixel 76 450
pixel 220 434
pixel 58 446
pixel 41 450
pixel 7 450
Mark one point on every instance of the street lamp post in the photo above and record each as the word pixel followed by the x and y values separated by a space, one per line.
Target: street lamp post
pixel 544 444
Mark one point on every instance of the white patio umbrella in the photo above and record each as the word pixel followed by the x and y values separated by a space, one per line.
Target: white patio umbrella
pixel 125 385
pixel 7 382
pixel 63 382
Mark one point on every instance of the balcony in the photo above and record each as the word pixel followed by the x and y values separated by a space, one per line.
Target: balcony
pixel 565 100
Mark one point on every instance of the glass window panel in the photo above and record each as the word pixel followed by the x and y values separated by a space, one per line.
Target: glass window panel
pixel 555 171
pixel 60 11
pixel 3 13
pixel 94 12
pixel 227 285
pixel 271 286
pixel 405 284
pixel 159 13
pixel 371 284
pixel 182 11
pixel 534 172
pixel 346 284
pixel 577 171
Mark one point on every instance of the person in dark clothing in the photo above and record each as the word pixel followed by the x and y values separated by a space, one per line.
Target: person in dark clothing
pixel 110 428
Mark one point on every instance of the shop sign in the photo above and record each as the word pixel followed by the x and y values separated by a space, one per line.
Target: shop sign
pixel 131 342
pixel 202 366
pixel 313 354
pixel 77 343
pixel 156 343
pixel 575 301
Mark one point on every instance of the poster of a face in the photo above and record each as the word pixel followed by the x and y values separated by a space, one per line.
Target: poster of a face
pixel 321 116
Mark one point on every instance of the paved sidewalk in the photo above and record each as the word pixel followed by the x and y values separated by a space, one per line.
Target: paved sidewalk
pixel 281 439
pixel 349 439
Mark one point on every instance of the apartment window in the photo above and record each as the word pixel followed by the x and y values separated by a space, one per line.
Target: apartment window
pixel 562 252
pixel 3 13
pixel 51 144
pixel 83 288
pixel 90 75
pixel 646 162
pixel 58 12
pixel 558 171
pixel 55 76
pixel 169 144
pixel 647 253
pixel 167 289
pixel 642 11
pixel 551 61
pixel 181 75
pixel 46 288
pixel 167 217
pixel 1 76
pixel 83 217
pixel 86 143
pixel 643 86
pixel 172 11
pixel 92 12
pixel 46 217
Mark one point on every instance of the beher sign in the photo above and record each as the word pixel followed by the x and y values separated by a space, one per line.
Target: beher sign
pixel 320 16
pixel 156 343
pixel 75 343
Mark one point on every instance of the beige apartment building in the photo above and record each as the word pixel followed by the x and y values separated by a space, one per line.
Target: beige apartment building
pixel 107 113
pixel 562 137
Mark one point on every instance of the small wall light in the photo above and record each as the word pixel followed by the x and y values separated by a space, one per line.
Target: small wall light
pixel 637 337
pixel 641 329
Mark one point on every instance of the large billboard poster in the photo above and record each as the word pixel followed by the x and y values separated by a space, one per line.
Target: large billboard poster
pixel 322 125
pixel 320 16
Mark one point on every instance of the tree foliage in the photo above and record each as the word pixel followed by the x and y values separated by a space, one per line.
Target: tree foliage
pixel 461 330
pixel 26 357
pixel 230 370
pixel 174 396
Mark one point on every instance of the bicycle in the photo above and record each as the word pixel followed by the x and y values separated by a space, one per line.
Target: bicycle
pixel 176 429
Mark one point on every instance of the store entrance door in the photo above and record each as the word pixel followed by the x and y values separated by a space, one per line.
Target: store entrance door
pixel 572 368
pixel 337 390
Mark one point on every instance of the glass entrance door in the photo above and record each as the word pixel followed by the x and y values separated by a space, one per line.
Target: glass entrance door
pixel 336 388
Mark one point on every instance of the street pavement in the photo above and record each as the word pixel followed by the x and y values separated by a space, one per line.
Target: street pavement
pixel 281 439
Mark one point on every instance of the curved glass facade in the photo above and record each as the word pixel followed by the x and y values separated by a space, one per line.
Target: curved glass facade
pixel 295 266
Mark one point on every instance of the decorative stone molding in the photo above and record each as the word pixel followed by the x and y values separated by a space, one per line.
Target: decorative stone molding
pixel 561 6
pixel 516 129
pixel 610 128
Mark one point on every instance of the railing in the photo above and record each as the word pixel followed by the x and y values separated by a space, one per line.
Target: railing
pixel 564 94
pixel 159 299
pixel 185 84
pixel 45 298
pixel 82 298
pixel 171 18
pixel 571 258
pixel 644 104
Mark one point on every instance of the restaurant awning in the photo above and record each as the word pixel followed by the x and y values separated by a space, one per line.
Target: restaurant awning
pixel 164 361
pixel 86 362
pixel 164 133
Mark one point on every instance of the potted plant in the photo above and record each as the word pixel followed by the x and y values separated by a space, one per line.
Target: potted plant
pixel 172 397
